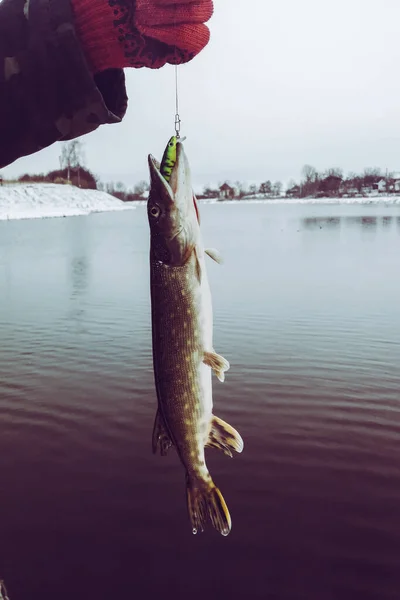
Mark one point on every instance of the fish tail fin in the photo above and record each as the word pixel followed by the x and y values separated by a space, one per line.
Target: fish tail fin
pixel 205 500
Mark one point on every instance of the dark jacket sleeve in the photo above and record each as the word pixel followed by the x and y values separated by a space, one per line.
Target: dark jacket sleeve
pixel 47 92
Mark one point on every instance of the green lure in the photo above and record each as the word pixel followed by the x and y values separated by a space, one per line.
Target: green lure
pixel 169 158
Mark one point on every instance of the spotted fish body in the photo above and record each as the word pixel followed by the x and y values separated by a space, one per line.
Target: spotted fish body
pixel 183 354
pixel 169 158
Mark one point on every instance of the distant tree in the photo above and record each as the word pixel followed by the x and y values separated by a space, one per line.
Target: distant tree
pixel 353 182
pixel 78 176
pixel 72 155
pixel 334 172
pixel 372 172
pixel 310 183
pixel 253 190
pixel 99 183
pixel 277 188
pixel 141 187
pixel 120 186
pixel 330 185
pixel 265 188
pixel 309 173
pixel 35 178
pixel 241 188
pixel 209 192
pixel 293 192
pixel 371 176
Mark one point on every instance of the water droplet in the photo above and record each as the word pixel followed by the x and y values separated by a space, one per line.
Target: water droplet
pixel 225 532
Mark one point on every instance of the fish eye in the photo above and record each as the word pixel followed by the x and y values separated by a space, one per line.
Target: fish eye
pixel 155 211
pixel 171 144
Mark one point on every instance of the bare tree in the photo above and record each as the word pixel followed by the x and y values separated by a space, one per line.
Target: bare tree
pixel 141 187
pixel 120 187
pixel 209 192
pixel 309 173
pixel 309 185
pixel 241 188
pixel 334 172
pixel 372 172
pixel 371 176
pixel 265 188
pixel 277 188
pixel 253 190
pixel 72 156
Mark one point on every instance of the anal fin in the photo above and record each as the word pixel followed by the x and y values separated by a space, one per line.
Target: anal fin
pixel 218 363
pixel 161 437
pixel 224 437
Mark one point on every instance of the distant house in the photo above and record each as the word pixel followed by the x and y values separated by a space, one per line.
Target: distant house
pixel 293 192
pixel 330 186
pixel 226 192
pixel 367 189
pixel 382 186
pixel 391 184
pixel 396 182
pixel 352 191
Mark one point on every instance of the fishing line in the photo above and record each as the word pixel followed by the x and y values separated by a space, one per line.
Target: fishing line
pixel 177 117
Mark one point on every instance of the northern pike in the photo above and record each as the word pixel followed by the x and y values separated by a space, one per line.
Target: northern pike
pixel 182 333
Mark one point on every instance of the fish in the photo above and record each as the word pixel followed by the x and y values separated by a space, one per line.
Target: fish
pixel 169 158
pixel 182 339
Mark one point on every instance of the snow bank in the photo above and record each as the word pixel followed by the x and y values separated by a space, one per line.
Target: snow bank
pixel 39 200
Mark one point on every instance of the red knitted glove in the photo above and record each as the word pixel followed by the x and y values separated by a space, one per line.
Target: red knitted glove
pixel 141 33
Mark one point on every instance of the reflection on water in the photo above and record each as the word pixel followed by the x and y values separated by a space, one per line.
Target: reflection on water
pixel 79 282
pixel 312 223
pixel 79 276
pixel 320 222
pixel 306 310
pixel 387 221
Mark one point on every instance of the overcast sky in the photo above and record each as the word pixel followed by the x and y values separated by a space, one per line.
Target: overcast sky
pixel 281 84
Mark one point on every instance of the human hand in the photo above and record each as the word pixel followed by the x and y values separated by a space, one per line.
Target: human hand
pixel 141 33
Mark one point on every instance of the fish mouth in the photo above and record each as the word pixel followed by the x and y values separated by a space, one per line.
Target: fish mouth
pixel 178 173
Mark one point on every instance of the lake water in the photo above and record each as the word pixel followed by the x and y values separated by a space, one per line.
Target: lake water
pixel 307 310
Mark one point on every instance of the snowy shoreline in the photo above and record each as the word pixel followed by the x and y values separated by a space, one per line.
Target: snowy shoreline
pixel 47 200
pixel 386 200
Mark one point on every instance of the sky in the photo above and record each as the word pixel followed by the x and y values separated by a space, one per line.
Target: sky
pixel 280 85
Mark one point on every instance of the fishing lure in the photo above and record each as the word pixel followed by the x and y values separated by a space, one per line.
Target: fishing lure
pixel 169 158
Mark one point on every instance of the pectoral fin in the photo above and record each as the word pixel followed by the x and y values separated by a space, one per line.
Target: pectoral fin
pixel 215 255
pixel 218 363
pixel 224 437
pixel 160 436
